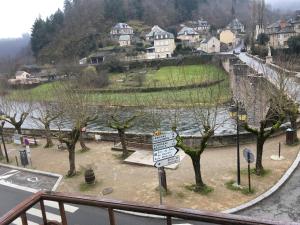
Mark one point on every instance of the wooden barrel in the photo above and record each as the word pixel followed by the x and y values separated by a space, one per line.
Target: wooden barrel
pixel 89 176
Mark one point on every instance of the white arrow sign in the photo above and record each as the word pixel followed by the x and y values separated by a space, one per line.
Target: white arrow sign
pixel 164 154
pixel 169 161
pixel 165 144
pixel 164 137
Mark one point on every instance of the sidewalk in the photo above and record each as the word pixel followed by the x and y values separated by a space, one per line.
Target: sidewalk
pixel 138 183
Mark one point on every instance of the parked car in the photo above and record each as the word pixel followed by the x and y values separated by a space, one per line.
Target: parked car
pixel 243 49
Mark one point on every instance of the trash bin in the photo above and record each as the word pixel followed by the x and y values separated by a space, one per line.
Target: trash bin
pixel 290 136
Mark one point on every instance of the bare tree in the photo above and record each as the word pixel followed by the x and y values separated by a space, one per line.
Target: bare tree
pixel 122 121
pixel 266 100
pixel 15 109
pixel 45 114
pixel 76 107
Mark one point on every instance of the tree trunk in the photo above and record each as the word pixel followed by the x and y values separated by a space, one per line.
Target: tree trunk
pixel 197 170
pixel 72 170
pixel 49 143
pixel 18 129
pixel 122 137
pixel 293 120
pixel 82 144
pixel 259 153
pixel 1 153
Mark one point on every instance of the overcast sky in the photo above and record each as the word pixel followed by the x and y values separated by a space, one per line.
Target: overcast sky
pixel 18 16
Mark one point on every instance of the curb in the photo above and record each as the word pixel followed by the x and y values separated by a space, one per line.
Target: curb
pixel 265 195
pixel 37 172
pixel 269 192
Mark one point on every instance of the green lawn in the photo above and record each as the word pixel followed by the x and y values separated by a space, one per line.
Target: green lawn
pixel 166 99
pixel 167 76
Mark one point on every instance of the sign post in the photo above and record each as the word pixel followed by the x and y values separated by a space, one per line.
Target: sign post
pixel 23 157
pixel 27 145
pixel 249 157
pixel 164 154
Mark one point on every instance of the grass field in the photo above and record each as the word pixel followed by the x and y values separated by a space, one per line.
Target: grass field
pixel 167 76
pixel 167 99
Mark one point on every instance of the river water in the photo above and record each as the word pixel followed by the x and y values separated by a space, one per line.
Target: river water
pixel 148 122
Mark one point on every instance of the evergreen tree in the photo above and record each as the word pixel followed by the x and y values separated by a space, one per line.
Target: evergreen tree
pixel 38 36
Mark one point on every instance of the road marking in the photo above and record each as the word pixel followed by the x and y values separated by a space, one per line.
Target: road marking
pixel 8 184
pixel 19 222
pixel 9 174
pixel 68 208
pixel 50 216
pixel 38 213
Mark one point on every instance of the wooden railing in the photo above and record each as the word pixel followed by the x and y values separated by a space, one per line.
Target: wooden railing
pixel 166 212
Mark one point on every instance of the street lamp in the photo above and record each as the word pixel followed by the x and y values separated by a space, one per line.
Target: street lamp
pixel 240 115
pixel 2 118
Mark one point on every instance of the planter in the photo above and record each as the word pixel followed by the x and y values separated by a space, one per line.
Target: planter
pixel 89 176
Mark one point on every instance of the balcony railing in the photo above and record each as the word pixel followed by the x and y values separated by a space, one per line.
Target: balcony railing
pixel 111 206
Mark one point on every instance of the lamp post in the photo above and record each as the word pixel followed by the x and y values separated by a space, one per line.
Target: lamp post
pixel 2 117
pixel 240 115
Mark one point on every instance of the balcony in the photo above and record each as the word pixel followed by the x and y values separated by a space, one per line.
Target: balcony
pixel 111 207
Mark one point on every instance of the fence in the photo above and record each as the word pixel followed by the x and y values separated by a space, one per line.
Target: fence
pixel 167 213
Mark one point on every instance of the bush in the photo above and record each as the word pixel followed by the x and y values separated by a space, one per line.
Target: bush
pixel 262 39
pixel 260 50
pixel 91 78
pixel 294 44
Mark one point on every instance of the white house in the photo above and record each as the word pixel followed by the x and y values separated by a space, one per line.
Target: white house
pixel 23 78
pixel 124 40
pixel 163 43
pixel 210 45
pixel 188 35
pixel 201 26
pixel 121 29
pixel 22 75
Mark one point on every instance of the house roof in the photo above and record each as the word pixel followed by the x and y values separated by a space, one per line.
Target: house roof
pixel 124 38
pixel 158 33
pixel 235 24
pixel 122 26
pixel 19 73
pixel 187 31
pixel 277 27
pixel 202 23
pixel 206 40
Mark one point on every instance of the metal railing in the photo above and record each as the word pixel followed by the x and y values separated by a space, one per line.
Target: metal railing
pixel 112 205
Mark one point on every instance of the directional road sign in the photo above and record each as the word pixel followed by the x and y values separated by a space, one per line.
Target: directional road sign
pixel 248 155
pixel 164 137
pixel 169 161
pixel 164 154
pixel 163 145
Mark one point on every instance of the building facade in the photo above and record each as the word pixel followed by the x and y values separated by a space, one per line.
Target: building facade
pixel 121 29
pixel 163 43
pixel 124 40
pixel 280 31
pixel 210 45
pixel 188 35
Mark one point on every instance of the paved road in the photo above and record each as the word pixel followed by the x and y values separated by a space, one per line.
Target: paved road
pixel 16 185
pixel 76 215
pixel 283 205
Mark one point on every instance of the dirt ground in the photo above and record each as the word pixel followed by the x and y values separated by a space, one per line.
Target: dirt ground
pixel 139 183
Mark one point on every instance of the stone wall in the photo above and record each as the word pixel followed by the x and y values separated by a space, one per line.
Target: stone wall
pixel 143 141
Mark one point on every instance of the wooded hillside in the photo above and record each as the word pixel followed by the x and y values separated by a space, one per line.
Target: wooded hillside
pixel 84 25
